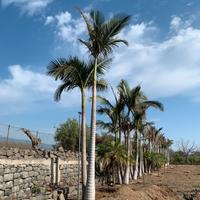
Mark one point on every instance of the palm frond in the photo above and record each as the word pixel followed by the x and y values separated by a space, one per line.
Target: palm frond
pixel 66 86
pixel 105 102
pixel 155 104
pixel 87 21
pixel 115 25
pixel 102 85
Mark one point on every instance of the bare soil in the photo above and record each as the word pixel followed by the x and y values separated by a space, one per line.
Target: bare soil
pixel 174 183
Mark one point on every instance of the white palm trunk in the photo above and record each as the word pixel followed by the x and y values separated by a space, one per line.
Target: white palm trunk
pixel 83 145
pixel 141 171
pixel 137 157
pixel 90 189
pixel 127 171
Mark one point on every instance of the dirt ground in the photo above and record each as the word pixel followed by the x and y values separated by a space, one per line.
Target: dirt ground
pixel 173 183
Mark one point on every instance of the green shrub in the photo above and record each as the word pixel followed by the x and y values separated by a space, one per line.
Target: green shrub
pixel 35 189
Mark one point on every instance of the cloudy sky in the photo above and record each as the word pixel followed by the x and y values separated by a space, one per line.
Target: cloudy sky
pixel 163 56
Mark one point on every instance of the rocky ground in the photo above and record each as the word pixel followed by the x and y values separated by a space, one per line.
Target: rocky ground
pixel 175 183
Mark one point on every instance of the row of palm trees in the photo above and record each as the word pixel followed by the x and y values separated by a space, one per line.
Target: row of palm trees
pixel 127 121
pixel 130 107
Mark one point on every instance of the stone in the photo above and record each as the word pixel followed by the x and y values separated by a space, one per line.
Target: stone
pixel 15 189
pixel 7 171
pixel 2 186
pixel 61 149
pixel 24 174
pixel 1 193
pixel 18 181
pixel 31 173
pixel 1 179
pixel 9 184
pixel 8 192
pixel 29 168
pixel 15 150
pixel 21 194
pixel 13 169
pixel 16 175
pixel 8 177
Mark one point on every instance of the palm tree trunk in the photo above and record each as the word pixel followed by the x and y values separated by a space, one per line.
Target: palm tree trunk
pixel 120 131
pixel 141 157
pixel 127 172
pixel 83 144
pixel 136 152
pixel 120 140
pixel 90 189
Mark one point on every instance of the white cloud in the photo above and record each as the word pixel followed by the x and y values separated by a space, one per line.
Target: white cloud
pixel 67 28
pixel 28 6
pixel 175 23
pixel 166 68
pixel 25 89
pixel 49 20
pixel 67 32
pixel 63 18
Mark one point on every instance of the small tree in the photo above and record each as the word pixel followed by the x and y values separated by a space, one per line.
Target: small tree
pixel 186 147
pixel 67 135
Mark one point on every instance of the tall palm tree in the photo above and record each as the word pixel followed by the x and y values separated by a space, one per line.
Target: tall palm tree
pixel 102 37
pixel 129 97
pixel 137 104
pixel 75 73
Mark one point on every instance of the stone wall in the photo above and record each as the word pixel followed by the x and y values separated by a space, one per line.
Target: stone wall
pixel 20 153
pixel 35 178
pixel 69 177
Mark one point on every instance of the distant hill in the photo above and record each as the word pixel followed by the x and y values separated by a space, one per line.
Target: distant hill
pixel 17 142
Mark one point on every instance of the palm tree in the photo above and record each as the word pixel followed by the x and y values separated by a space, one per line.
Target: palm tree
pixel 75 73
pixel 140 108
pixel 129 97
pixel 137 104
pixel 113 111
pixel 111 155
pixel 151 134
pixel 102 37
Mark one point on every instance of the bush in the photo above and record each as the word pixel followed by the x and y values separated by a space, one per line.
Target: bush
pixel 178 158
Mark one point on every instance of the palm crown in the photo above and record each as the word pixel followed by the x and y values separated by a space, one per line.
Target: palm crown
pixel 73 73
pixel 102 34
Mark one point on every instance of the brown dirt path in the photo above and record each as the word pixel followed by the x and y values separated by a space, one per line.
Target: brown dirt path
pixel 177 182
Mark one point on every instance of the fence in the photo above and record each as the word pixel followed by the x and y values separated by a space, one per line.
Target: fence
pixel 14 135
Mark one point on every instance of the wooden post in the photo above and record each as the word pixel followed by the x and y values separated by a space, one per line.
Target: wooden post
pixel 8 132
pixel 57 163
pixel 52 171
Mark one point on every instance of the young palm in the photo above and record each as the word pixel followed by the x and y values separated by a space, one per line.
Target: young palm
pixel 102 37
pixel 111 155
pixel 113 111
pixel 75 73
pixel 140 111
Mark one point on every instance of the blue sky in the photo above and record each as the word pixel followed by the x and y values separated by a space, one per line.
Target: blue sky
pixel 163 55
